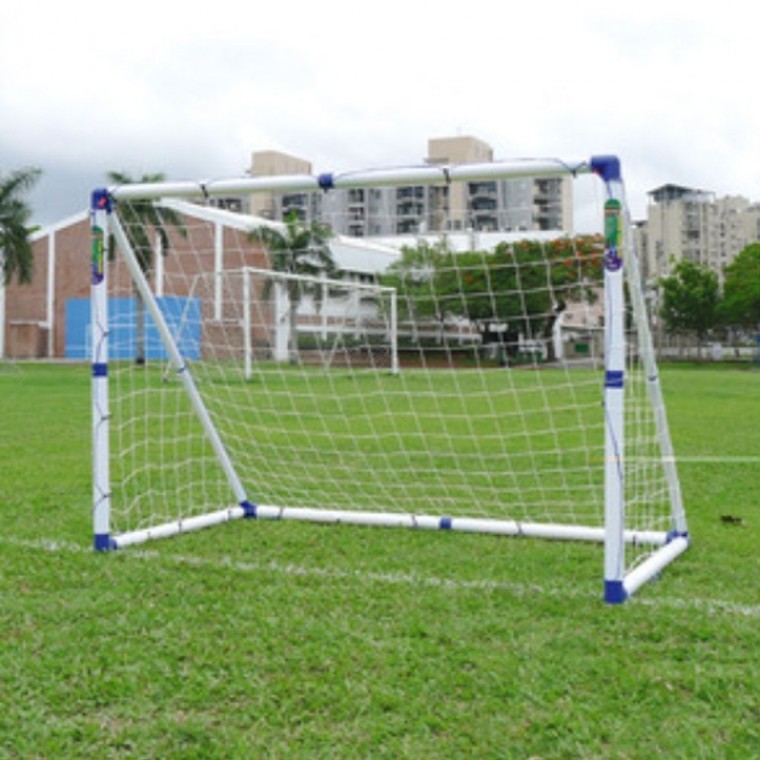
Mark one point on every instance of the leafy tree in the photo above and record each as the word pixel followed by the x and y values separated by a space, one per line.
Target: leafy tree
pixel 299 249
pixel 690 297
pixel 741 290
pixel 15 250
pixel 143 220
pixel 515 290
pixel 419 276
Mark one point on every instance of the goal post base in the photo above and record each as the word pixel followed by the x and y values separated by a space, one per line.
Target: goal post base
pixel 667 546
pixel 618 591
pixel 655 564
pixel 103 542
pixel 515 528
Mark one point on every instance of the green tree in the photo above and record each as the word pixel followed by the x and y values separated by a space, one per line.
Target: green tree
pixel 690 298
pixel 301 250
pixel 518 289
pixel 15 249
pixel 143 221
pixel 741 290
pixel 419 276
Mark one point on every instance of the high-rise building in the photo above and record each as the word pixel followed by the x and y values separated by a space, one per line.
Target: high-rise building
pixel 270 163
pixel 687 223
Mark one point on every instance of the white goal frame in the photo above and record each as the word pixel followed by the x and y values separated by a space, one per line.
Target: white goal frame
pixel 620 258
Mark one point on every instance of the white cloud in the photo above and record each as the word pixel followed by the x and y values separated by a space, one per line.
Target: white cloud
pixel 192 90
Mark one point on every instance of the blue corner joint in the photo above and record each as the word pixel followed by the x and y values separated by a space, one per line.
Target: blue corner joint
pixel 249 510
pixel 614 592
pixel 607 167
pixel 674 534
pixel 326 182
pixel 445 523
pixel 101 200
pixel 104 543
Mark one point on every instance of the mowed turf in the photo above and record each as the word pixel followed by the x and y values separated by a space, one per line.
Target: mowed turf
pixel 286 640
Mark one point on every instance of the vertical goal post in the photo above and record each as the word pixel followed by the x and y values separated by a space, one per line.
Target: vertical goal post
pixel 406 358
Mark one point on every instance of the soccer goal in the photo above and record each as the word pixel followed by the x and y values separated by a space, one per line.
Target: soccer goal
pixel 468 376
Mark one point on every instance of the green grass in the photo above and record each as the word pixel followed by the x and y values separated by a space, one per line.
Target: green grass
pixel 420 442
pixel 282 640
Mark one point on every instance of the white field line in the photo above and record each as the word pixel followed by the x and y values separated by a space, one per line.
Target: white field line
pixel 708 606
pixel 701 459
pixel 716 460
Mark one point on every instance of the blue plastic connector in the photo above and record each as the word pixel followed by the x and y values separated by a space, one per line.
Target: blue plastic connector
pixel 101 200
pixel 614 378
pixel 674 534
pixel 104 543
pixel 326 181
pixel 249 510
pixel 607 167
pixel 614 592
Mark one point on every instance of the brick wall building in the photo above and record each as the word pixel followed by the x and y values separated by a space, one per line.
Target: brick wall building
pixel 46 318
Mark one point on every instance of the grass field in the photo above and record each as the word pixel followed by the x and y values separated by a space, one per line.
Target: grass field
pixel 522 445
pixel 281 640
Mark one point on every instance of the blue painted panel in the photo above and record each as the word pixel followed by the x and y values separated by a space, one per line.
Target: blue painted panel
pixel 122 328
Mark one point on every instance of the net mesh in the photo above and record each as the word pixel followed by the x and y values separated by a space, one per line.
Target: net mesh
pixel 446 382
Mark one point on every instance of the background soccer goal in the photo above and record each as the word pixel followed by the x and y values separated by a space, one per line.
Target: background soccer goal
pixel 248 369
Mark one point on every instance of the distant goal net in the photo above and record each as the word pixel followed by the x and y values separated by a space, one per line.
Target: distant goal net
pixel 471 376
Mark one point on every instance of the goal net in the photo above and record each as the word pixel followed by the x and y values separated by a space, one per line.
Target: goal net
pixel 244 368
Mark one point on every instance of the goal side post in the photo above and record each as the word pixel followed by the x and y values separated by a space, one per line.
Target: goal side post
pixel 106 226
pixel 621 257
pixel 100 211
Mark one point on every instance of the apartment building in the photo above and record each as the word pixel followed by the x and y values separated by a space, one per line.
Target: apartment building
pixel 270 163
pixel 687 223
pixel 525 204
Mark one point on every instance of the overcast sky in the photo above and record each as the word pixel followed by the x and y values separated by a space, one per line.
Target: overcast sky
pixel 192 89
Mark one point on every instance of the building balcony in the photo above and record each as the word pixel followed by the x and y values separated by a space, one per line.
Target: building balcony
pixel 410 209
pixel 404 193
pixel 483 204
pixel 407 226
pixel 483 190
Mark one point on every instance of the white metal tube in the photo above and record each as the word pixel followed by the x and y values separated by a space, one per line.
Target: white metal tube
pixel 218 269
pixel 270 273
pixel 247 337
pixel 462 524
pixel 176 527
pixel 158 257
pixel 50 295
pixel 546 531
pixel 654 564
pixel 614 400
pixel 101 480
pixel 394 332
pixel 417 175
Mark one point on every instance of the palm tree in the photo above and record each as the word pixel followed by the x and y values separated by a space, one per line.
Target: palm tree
pixel 140 218
pixel 15 249
pixel 302 250
pixel 16 256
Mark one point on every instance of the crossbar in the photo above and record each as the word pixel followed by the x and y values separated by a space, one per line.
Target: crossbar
pixel 414 175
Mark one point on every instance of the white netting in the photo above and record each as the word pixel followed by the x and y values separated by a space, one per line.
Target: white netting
pixel 444 382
